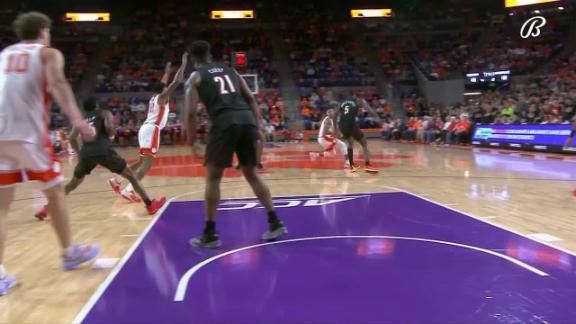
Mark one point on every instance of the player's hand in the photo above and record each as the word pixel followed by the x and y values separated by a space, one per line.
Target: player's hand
pixel 87 132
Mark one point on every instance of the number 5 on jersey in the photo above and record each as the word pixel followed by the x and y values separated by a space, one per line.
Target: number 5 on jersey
pixel 226 85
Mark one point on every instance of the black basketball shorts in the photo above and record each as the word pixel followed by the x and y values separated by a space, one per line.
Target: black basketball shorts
pixel 239 139
pixel 111 161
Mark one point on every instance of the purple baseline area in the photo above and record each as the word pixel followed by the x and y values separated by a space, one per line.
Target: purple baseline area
pixel 349 280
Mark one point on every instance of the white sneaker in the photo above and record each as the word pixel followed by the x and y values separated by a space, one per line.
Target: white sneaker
pixel 6 283
pixel 130 195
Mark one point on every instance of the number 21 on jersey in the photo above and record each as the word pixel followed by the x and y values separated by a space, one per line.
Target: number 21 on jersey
pixel 226 85
pixel 17 62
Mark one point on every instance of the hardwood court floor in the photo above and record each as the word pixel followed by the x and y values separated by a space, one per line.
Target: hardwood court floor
pixel 525 195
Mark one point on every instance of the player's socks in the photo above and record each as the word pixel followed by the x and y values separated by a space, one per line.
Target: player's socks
pixel 351 156
pixel 147 202
pixel 2 271
pixel 272 217
pixel 210 227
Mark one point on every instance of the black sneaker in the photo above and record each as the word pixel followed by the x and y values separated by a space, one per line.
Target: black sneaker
pixel 275 230
pixel 207 241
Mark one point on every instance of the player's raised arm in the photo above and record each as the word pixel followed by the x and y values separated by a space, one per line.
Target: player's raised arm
pixel 178 78
pixel 167 71
pixel 61 91
pixel 191 101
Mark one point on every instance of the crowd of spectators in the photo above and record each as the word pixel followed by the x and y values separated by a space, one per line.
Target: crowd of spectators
pixel 136 59
pixel 505 49
pixel 313 107
pixel 543 99
pixel 441 56
pixel 324 53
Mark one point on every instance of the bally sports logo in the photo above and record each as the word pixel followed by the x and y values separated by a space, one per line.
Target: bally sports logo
pixel 289 202
pixel 532 27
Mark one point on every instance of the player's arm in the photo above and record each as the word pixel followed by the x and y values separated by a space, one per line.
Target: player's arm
pixel 364 104
pixel 337 109
pixel 109 123
pixel 74 139
pixel 167 71
pixel 178 78
pixel 61 91
pixel 251 101
pixel 191 101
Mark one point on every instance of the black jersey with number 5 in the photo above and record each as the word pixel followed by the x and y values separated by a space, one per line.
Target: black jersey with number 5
pixel 220 91
pixel 348 114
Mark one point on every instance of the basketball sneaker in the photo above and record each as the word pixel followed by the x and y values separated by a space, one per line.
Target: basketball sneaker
pixel 42 213
pixel 79 255
pixel 354 168
pixel 6 283
pixel 368 168
pixel 155 206
pixel 115 185
pixel 130 195
pixel 207 241
pixel 275 230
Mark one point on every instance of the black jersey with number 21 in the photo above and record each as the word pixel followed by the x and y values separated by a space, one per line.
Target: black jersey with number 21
pixel 220 91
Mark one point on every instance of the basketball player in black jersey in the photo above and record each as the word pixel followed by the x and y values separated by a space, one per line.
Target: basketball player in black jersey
pixel 100 152
pixel 346 113
pixel 235 130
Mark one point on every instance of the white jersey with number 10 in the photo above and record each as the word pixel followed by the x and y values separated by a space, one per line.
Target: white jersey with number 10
pixel 24 102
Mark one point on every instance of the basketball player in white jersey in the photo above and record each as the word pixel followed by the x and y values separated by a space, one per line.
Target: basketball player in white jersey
pixel 328 137
pixel 149 133
pixel 31 73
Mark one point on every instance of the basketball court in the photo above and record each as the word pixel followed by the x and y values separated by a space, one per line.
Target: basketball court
pixel 439 235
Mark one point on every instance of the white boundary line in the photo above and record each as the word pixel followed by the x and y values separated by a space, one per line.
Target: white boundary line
pixel 484 220
pixel 104 285
pixel 185 279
